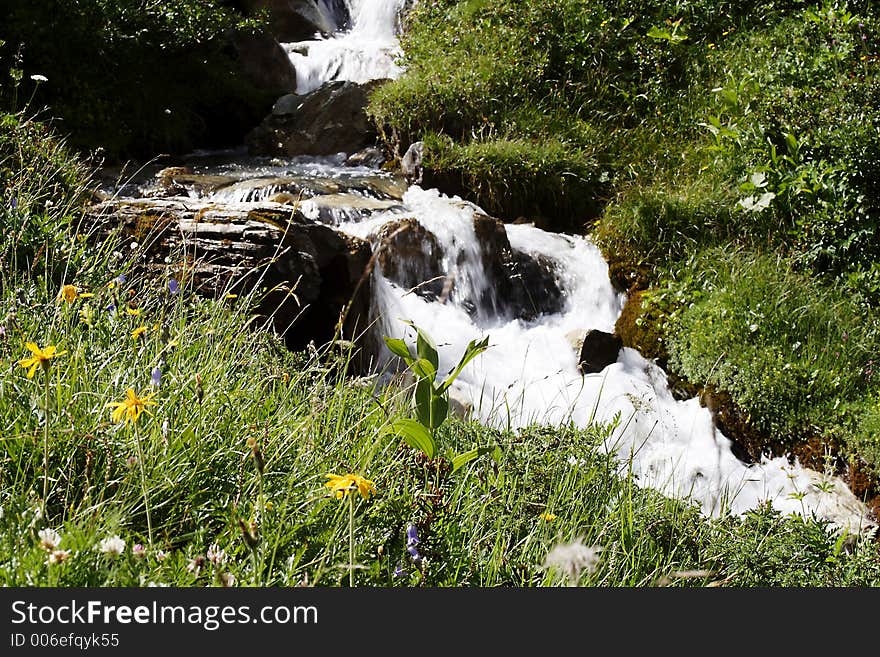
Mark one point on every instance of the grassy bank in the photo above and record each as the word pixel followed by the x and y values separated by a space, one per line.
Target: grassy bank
pixel 724 157
pixel 215 472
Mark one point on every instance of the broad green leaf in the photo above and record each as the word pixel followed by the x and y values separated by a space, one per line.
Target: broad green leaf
pixel 424 369
pixel 466 457
pixel 425 346
pixel 414 435
pixel 474 349
pixel 398 347
pixel 431 408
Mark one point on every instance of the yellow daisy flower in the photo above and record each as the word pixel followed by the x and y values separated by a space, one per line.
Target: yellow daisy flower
pixel 547 517
pixel 131 407
pixel 342 485
pixel 42 357
pixel 138 332
pixel 68 293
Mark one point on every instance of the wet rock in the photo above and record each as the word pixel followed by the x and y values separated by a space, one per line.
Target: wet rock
pixel 335 209
pixel 411 163
pixel 411 256
pixel 326 121
pixel 294 20
pixel 264 62
pixel 522 285
pixel 596 349
pixel 308 277
pixel 371 157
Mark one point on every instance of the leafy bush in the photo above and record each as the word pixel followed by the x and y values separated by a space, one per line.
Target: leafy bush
pixel 791 351
pixel 130 76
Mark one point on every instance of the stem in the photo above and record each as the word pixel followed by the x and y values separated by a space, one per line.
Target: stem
pixel 137 441
pixel 351 540
pixel 46 449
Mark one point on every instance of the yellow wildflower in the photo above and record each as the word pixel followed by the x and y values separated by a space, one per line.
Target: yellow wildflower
pixel 68 293
pixel 342 485
pixel 138 332
pixel 132 406
pixel 40 357
pixel 547 517
pixel 134 312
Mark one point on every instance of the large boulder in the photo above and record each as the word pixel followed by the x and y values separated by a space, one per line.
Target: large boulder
pixel 326 121
pixel 411 256
pixel 521 285
pixel 264 63
pixel 596 349
pixel 299 20
pixel 308 277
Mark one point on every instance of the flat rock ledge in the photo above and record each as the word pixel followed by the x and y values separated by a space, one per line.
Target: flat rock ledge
pixel 309 278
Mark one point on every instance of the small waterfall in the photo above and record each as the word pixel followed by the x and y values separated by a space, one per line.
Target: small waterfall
pixel 529 375
pixel 362 47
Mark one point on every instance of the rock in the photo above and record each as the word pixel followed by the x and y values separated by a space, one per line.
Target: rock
pixel 297 20
pixel 596 349
pixel 459 405
pixel 264 62
pixel 411 163
pixel 522 285
pixel 370 156
pixel 326 121
pixel 307 276
pixel 411 256
pixel 335 209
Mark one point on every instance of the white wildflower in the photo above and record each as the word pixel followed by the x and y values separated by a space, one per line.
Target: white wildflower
pixel 39 78
pixel 49 539
pixel 227 580
pixel 216 556
pixel 57 556
pixel 572 559
pixel 112 545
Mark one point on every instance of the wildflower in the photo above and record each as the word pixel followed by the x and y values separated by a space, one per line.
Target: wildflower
pixel 173 286
pixel 547 517
pixel 216 555
pixel 195 565
pixel 13 203
pixel 200 391
pixel 112 545
pixel 572 559
pixel 68 293
pixel 412 539
pixel 342 485
pixel 400 571
pixel 156 376
pixel 226 579
pixel 132 406
pixel 139 550
pixel 111 308
pixel 49 539
pixel 57 556
pixel 131 461
pixel 138 332
pixel 39 78
pixel 120 280
pixel 161 555
pixel 134 312
pixel 40 357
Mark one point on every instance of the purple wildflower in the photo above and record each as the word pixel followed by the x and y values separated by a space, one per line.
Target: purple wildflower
pixel 156 376
pixel 173 286
pixel 120 279
pixel 400 571
pixel 111 308
pixel 13 203
pixel 412 539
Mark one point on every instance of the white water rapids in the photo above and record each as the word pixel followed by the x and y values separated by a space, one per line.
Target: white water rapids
pixel 367 50
pixel 529 375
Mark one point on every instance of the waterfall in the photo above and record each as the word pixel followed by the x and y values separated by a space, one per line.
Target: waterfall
pixel 362 45
pixel 529 374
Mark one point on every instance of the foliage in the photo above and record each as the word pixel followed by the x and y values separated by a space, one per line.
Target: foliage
pixel 157 77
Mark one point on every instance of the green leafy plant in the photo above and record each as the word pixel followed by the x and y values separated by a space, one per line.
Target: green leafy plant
pixel 431 398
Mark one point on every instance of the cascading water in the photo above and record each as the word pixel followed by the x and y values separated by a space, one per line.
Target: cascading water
pixel 530 375
pixel 362 47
